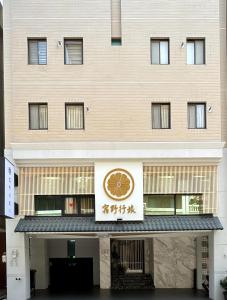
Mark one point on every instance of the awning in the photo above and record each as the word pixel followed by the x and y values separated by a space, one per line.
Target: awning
pixel 88 224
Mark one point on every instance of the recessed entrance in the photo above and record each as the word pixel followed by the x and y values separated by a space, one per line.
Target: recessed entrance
pixel 70 274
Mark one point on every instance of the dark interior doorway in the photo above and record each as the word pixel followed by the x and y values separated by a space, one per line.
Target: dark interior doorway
pixel 71 274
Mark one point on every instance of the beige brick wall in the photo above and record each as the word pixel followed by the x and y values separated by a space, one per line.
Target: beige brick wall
pixel 117 84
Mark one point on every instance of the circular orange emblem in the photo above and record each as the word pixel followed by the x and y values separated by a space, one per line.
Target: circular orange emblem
pixel 118 184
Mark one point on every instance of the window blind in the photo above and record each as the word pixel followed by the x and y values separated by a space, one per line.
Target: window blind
pixel 37 52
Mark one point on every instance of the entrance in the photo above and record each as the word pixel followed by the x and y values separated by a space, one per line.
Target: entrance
pixel 128 265
pixel 127 256
pixel 71 274
pixel 63 264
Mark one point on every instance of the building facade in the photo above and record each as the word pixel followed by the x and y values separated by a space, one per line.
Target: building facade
pixel 115 121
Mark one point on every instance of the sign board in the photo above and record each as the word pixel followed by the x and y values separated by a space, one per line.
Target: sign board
pixel 118 191
pixel 6 188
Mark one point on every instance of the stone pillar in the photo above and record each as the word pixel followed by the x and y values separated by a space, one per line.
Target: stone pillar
pixel 199 263
pixel 105 262
pixel 18 268
pixel 217 265
pixel 218 239
pixel 147 254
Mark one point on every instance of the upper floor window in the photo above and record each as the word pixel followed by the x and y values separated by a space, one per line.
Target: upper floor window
pixel 196 115
pixel 178 204
pixel 64 205
pixel 74 116
pixel 160 51
pixel 195 51
pixel 160 115
pixel 38 116
pixel 73 51
pixel 37 51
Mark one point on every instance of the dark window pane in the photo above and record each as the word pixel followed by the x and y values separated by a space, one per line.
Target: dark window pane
pixel 71 248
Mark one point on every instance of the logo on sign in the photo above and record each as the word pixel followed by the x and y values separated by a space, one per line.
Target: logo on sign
pixel 118 184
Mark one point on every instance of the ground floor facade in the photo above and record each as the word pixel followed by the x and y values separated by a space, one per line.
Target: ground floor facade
pixel 132 220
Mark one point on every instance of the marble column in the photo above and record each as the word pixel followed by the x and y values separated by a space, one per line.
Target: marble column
pixel 199 263
pixel 147 254
pixel 18 266
pixel 105 262
pixel 174 262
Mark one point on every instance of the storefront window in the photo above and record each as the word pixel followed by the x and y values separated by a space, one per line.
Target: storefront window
pixel 159 205
pixel 62 205
pixel 173 204
pixel 189 204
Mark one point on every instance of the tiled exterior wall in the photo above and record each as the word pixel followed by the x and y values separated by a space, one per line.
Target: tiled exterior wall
pixel 116 83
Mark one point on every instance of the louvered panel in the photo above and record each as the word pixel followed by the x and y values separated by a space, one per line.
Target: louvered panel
pixel 116 18
pixel 52 181
pixel 183 180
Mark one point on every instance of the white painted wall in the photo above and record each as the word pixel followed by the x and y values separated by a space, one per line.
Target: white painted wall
pixel 57 248
pixel 218 240
pixel 18 266
pixel 39 262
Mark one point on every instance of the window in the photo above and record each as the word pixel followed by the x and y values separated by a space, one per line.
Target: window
pixel 38 116
pixel 64 205
pixel 159 204
pixel 73 51
pixel 195 52
pixel 173 204
pixel 116 41
pixel 37 51
pixel 160 115
pixel 160 52
pixel 196 115
pixel 74 114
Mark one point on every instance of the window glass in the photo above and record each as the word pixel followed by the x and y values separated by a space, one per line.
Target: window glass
pixel 165 116
pixel 47 205
pixel 196 116
pixel 200 116
pixel 190 53
pixel 155 52
pixel 196 52
pixel 74 52
pixel 74 116
pixel 160 116
pixel 71 205
pixel 199 50
pixel 164 52
pixel 160 52
pixel 37 51
pixel 87 205
pixel 38 116
pixel 159 205
pixel 63 205
pixel 189 204
pixel 34 116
